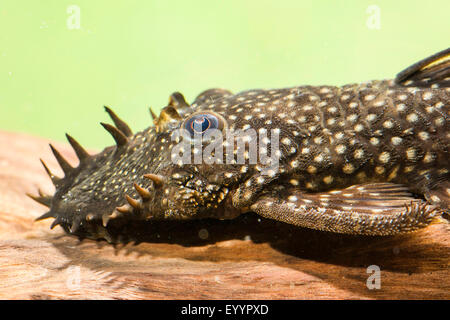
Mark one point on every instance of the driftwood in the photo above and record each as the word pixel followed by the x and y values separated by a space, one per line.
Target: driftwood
pixel 248 258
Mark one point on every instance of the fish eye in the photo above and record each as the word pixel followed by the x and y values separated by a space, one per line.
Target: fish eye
pixel 202 122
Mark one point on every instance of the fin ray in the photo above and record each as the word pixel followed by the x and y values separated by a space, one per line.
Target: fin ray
pixel 355 210
pixel 432 70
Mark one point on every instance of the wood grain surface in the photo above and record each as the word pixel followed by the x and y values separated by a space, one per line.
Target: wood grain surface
pixel 247 258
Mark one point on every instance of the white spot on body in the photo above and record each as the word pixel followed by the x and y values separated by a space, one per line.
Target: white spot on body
pixel 429 157
pixel 427 96
pixel 374 141
pixel 423 135
pixel 379 103
pixel 339 135
pixel 311 169
pixel 411 153
pixel 412 117
pixel 388 124
pixel 358 154
pixel 396 141
pixel 328 179
pixel 401 107
pixel 435 198
pixel 379 170
pixel 340 149
pixel 318 158
pixel 348 168
pixel 384 157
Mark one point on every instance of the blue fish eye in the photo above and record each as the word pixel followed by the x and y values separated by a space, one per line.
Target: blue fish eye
pixel 202 122
pixel 200 125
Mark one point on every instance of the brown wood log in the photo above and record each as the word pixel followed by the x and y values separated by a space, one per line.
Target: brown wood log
pixel 247 258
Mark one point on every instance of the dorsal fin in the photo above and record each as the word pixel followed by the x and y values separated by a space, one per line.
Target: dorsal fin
pixel 432 70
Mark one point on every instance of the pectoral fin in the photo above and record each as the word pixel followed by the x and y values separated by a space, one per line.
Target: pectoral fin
pixel 370 209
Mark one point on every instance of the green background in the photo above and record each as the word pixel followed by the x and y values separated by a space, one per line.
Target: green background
pixel 134 54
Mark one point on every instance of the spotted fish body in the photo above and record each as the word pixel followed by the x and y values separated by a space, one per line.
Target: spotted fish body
pixel 370 158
